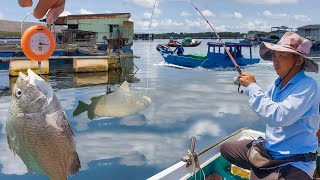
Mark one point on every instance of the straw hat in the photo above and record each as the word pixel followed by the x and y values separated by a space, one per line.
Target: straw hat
pixel 292 43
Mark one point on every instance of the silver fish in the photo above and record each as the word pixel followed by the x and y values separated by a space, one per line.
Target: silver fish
pixel 38 130
pixel 119 103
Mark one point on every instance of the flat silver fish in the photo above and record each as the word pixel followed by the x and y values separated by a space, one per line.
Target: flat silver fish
pixel 38 130
pixel 119 103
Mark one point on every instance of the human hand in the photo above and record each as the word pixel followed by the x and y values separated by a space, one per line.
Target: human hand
pixel 55 8
pixel 246 79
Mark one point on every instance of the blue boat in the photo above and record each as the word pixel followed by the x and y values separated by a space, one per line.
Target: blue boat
pixel 216 56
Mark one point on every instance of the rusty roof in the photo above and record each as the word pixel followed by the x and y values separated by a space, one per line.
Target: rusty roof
pixel 63 19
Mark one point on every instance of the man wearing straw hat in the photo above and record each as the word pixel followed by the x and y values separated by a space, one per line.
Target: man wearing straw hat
pixel 290 108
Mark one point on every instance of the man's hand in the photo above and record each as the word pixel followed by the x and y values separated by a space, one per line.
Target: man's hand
pixel 246 79
pixel 55 8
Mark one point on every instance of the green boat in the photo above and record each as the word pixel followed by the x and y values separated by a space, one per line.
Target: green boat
pixel 209 162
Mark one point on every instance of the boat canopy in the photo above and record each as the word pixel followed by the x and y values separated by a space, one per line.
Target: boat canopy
pixel 214 44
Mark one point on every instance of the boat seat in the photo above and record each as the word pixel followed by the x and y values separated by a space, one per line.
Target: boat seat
pixel 198 56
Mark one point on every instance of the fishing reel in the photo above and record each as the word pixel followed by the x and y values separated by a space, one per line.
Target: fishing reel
pixel 236 81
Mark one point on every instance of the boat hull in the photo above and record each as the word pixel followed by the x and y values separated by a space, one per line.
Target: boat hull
pixel 211 161
pixel 185 45
pixel 212 61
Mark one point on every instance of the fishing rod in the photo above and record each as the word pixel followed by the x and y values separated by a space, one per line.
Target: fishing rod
pixel 236 80
pixel 221 42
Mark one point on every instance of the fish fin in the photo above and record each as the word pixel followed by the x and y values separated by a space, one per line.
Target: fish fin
pixel 76 165
pixel 11 140
pixel 10 144
pixel 31 171
pixel 51 119
pixel 82 107
pixel 125 86
pixel 65 117
pixel 95 99
pixel 91 115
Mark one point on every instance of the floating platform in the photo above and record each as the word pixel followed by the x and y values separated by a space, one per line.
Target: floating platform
pixel 81 64
pixel 22 65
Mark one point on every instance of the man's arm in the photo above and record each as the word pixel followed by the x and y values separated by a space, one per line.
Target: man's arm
pixel 287 112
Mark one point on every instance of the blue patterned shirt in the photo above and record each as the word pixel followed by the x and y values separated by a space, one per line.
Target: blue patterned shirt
pixel 292 117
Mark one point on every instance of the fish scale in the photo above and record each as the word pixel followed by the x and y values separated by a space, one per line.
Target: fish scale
pixel 18 144
pixel 38 130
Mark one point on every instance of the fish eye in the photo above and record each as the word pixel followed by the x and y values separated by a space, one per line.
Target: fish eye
pixel 18 93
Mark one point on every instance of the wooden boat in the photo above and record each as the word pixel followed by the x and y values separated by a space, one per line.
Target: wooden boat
pixel 195 44
pixel 216 56
pixel 210 161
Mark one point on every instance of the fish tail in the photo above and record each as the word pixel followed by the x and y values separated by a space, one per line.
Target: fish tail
pixel 75 166
pixel 82 107
pixel 59 178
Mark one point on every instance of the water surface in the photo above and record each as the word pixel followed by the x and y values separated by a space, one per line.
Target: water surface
pixel 185 103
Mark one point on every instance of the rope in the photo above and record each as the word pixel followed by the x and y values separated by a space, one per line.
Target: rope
pixel 192 157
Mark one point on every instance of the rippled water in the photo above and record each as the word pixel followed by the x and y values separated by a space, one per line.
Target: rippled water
pixel 185 103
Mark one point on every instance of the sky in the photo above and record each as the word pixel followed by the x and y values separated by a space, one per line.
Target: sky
pixel 180 16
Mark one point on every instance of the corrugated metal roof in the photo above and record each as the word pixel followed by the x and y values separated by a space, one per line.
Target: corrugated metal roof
pixel 312 26
pixel 98 16
pixel 63 19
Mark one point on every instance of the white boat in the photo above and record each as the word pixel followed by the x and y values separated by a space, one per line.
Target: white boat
pixel 211 162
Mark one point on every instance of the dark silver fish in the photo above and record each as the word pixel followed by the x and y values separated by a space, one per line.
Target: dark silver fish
pixel 38 130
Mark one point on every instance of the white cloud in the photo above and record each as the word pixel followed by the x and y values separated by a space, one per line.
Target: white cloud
pixel 208 13
pixel 267 13
pixel 85 11
pixel 134 120
pixel 146 15
pixel 143 146
pixel 65 13
pixel 219 28
pixel 270 15
pixel 141 3
pixel 237 15
pixel 166 25
pixel 268 1
pixel 157 11
pixel 302 18
pixel 185 14
pixel 170 23
pixel 258 25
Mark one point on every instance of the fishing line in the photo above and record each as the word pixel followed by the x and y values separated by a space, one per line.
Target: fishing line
pixel 21 32
pixel 148 68
pixel 21 25
pixel 220 40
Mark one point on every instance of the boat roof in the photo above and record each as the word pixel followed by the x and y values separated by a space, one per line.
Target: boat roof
pixel 212 44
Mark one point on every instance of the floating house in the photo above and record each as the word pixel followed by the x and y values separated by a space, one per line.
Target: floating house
pixel 310 31
pixel 79 42
pixel 143 36
pixel 107 26
pixel 279 31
